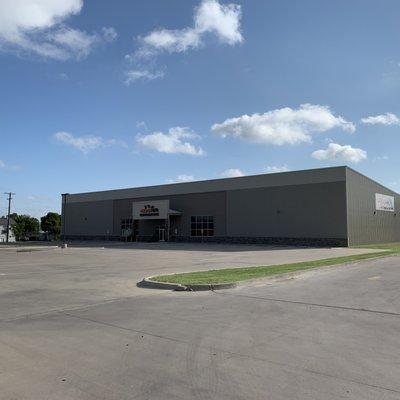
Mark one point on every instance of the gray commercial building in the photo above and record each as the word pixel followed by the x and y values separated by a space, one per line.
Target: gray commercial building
pixel 329 206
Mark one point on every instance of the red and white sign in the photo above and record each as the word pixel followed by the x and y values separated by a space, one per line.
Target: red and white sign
pixel 157 209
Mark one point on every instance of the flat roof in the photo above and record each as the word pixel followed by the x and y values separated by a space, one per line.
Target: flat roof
pixel 303 177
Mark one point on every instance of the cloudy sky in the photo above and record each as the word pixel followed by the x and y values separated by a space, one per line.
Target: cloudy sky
pixel 99 96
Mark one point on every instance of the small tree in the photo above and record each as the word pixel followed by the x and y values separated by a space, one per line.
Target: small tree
pixel 25 226
pixel 51 223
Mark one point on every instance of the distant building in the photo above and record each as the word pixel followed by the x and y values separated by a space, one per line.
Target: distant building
pixel 3 231
pixel 328 207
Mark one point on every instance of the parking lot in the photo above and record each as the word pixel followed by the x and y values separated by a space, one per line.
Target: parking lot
pixel 73 325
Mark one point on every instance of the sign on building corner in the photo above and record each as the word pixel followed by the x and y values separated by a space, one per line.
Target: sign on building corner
pixel 384 202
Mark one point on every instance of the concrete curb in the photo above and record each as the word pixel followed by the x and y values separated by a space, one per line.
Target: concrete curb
pixel 150 284
pixel 216 286
pixel 26 249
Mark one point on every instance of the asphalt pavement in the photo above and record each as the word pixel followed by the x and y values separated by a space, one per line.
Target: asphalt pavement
pixel 74 326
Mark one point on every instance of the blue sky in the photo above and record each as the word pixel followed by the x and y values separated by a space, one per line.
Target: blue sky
pixel 99 96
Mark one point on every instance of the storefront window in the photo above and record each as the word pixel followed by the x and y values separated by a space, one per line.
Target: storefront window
pixel 126 224
pixel 202 225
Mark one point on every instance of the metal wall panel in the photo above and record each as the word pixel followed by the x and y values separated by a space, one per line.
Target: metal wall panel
pixel 301 211
pixel 365 224
pixel 89 218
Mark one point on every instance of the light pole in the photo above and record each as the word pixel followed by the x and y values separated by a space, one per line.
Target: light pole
pixel 10 195
pixel 64 212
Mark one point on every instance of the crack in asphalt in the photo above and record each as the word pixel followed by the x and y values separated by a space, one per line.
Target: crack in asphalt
pixel 305 303
pixel 232 353
pixel 80 307
pixel 67 312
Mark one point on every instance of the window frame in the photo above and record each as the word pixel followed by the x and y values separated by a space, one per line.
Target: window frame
pixel 126 223
pixel 202 226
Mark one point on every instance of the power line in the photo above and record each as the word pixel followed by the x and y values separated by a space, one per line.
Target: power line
pixel 10 195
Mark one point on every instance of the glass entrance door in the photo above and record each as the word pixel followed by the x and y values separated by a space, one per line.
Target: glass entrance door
pixel 160 233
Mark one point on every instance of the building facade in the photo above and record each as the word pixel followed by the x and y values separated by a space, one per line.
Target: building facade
pixel 3 231
pixel 329 207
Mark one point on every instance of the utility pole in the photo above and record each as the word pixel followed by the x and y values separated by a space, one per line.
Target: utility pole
pixel 64 219
pixel 10 195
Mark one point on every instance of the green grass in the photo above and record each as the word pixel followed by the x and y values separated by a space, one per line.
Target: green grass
pixel 393 247
pixel 242 274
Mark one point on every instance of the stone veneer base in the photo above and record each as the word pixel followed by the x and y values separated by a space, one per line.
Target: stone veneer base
pixel 318 242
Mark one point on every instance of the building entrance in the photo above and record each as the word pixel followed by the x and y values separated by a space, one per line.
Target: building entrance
pixel 160 233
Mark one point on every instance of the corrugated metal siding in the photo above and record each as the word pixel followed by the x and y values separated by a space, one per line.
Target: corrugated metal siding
pixel 364 225
pixel 301 211
pixel 89 218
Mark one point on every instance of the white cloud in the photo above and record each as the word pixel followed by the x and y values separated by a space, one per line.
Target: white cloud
pixel 38 198
pixel 210 16
pixel 144 75
pixel 115 142
pixel 337 152
pixel 38 27
pixel 8 167
pixel 75 41
pixel 381 158
pixel 109 34
pixel 232 173
pixel 283 126
pixel 272 169
pixel 141 125
pixel 172 142
pixel 21 15
pixel 383 119
pixel 181 178
pixel 62 76
pixel 86 144
pixel 169 40
pixel 220 19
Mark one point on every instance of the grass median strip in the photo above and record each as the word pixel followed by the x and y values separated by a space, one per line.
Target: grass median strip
pixel 230 275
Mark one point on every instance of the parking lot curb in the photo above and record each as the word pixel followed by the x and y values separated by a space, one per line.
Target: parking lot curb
pixel 216 286
pixel 151 284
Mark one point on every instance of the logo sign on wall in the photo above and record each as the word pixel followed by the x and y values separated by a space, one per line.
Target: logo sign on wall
pixel 384 202
pixel 150 209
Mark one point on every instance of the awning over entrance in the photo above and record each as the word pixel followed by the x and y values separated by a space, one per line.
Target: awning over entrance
pixel 174 212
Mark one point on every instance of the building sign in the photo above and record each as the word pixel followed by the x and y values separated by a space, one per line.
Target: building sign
pixel 151 209
pixel 384 202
